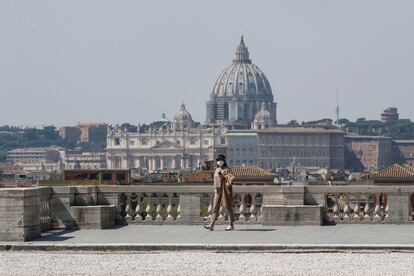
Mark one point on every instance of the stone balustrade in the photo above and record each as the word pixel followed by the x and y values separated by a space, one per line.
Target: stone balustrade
pixel 25 212
pixel 162 204
pixel 363 204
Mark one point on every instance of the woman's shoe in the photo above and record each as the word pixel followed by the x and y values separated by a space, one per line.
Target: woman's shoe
pixel 209 227
pixel 229 228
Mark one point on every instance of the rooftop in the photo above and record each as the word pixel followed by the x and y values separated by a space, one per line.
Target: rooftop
pixel 292 129
pixel 395 171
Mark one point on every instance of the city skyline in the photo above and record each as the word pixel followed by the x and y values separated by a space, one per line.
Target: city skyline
pixel 113 69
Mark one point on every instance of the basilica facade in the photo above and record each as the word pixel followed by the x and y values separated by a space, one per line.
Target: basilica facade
pixel 241 99
pixel 174 145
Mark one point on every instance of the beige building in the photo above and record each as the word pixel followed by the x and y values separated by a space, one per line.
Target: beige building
pixel 404 151
pixel 88 130
pixel 176 144
pixel 84 160
pixel 369 153
pixel 284 146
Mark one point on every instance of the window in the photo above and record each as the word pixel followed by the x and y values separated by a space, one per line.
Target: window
pixel 117 141
pixel 106 176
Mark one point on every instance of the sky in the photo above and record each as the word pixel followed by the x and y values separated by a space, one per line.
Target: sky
pixel 63 62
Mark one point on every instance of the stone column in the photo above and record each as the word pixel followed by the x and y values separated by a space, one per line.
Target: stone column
pixel 154 163
pixel 182 165
pixel 173 165
pixel 150 168
pixel 139 162
pixel 161 163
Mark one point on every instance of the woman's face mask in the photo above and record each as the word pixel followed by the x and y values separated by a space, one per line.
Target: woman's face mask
pixel 220 163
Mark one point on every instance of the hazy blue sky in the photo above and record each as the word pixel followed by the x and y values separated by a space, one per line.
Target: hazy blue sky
pixel 62 62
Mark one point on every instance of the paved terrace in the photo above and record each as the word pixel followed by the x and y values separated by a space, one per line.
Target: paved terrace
pixel 243 235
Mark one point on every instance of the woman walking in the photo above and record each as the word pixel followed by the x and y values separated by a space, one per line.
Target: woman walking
pixel 223 193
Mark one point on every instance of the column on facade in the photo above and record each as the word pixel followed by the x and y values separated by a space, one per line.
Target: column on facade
pixel 138 164
pixel 182 164
pixel 161 163
pixel 154 163
pixel 198 162
pixel 173 164
pixel 149 160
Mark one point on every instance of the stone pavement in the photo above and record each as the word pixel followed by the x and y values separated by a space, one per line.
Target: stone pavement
pixel 203 263
pixel 243 234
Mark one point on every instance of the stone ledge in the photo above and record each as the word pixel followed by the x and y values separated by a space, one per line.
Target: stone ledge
pixel 283 248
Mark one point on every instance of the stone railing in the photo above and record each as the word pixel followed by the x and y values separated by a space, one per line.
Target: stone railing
pixel 181 204
pixel 165 206
pixel 25 212
pixel 363 204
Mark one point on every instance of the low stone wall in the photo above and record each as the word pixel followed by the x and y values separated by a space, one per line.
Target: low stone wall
pixel 22 213
pixel 25 212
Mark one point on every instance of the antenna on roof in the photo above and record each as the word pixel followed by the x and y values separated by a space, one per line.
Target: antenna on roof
pixel 337 107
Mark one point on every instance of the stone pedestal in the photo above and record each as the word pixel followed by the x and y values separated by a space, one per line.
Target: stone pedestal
pixel 93 217
pixel 399 208
pixel 285 195
pixel 190 209
pixel 287 208
pixel 19 214
pixel 292 215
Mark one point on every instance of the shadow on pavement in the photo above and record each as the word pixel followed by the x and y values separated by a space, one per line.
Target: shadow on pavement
pixel 55 235
pixel 255 230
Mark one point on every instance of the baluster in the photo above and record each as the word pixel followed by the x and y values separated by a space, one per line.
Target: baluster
pixel 336 208
pixel 158 218
pixel 48 210
pixel 120 211
pixel 367 209
pixel 178 212
pixel 169 218
pixel 42 209
pixel 242 217
pixel 128 208
pixel 261 212
pixel 253 217
pixel 148 210
pixel 138 216
pixel 356 209
pixel 387 209
pixel 346 218
pixel 326 207
pixel 377 210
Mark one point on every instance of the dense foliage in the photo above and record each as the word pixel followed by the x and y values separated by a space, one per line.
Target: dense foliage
pixel 12 137
pixel 402 129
